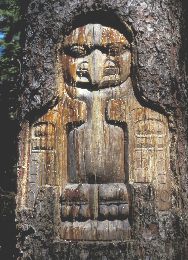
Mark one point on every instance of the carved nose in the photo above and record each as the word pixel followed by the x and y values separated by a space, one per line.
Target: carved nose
pixel 95 66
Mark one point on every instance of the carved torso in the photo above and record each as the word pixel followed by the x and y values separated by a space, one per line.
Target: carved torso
pixel 97 139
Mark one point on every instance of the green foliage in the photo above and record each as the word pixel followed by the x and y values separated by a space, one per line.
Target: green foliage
pixel 10 25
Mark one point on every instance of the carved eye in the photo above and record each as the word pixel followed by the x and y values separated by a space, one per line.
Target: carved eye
pixel 115 50
pixel 76 51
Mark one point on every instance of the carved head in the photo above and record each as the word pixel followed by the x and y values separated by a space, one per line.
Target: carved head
pixel 95 56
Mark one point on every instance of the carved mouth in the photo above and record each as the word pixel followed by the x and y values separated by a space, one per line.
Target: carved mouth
pixel 111 71
pixel 110 75
pixel 83 73
pixel 110 68
pixel 82 70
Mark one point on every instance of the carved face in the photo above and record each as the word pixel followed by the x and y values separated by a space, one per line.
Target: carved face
pixel 95 56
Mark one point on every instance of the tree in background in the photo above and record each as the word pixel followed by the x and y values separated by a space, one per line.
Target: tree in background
pixel 10 53
pixel 10 27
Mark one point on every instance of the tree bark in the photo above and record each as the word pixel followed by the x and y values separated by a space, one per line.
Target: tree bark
pixel 159 73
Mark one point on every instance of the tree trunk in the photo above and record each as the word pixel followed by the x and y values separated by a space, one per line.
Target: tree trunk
pixel 128 138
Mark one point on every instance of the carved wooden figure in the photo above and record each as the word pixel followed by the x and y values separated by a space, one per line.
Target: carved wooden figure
pixel 97 140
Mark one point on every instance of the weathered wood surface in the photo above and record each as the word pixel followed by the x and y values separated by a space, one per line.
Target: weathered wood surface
pixel 97 139
pixel 103 124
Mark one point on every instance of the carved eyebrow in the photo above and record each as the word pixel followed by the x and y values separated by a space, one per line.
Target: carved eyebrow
pixel 114 48
pixel 89 45
pixel 75 50
pixel 69 45
pixel 117 45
